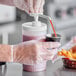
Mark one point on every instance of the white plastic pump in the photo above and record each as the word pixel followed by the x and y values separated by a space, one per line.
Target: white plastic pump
pixel 36 16
pixel 34 30
pixel 36 22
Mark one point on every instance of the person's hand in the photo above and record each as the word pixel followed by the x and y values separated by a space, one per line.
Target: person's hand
pixel 49 50
pixel 30 6
pixel 34 52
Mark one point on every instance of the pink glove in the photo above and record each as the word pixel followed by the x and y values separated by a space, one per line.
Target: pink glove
pixel 34 52
pixel 30 52
pixel 5 53
pixel 7 2
pixel 30 6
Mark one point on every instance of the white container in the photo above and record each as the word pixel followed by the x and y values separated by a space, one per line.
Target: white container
pixel 33 31
pixel 35 67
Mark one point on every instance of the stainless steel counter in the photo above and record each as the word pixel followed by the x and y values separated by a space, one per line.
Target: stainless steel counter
pixel 56 69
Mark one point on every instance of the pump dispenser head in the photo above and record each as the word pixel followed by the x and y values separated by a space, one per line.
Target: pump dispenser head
pixel 36 22
pixel 36 17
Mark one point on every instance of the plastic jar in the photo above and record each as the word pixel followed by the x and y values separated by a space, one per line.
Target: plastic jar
pixel 33 31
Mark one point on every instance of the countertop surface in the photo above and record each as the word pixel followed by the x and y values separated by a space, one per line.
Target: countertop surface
pixel 56 69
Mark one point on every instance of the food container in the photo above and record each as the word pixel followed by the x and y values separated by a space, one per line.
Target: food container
pixel 52 38
pixel 35 67
pixel 31 31
pixel 68 63
pixel 34 31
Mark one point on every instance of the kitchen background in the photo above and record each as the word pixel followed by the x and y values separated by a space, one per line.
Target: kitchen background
pixel 62 12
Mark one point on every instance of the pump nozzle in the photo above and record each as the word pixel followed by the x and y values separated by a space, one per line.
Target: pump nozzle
pixel 36 17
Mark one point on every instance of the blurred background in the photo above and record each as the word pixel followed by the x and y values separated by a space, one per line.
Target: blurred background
pixel 62 12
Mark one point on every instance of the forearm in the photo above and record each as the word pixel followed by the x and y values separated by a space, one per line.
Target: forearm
pixel 7 2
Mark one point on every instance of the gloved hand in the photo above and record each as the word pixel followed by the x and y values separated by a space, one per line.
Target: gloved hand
pixel 32 52
pixel 30 6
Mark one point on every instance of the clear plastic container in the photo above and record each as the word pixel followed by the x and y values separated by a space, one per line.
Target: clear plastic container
pixel 31 31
